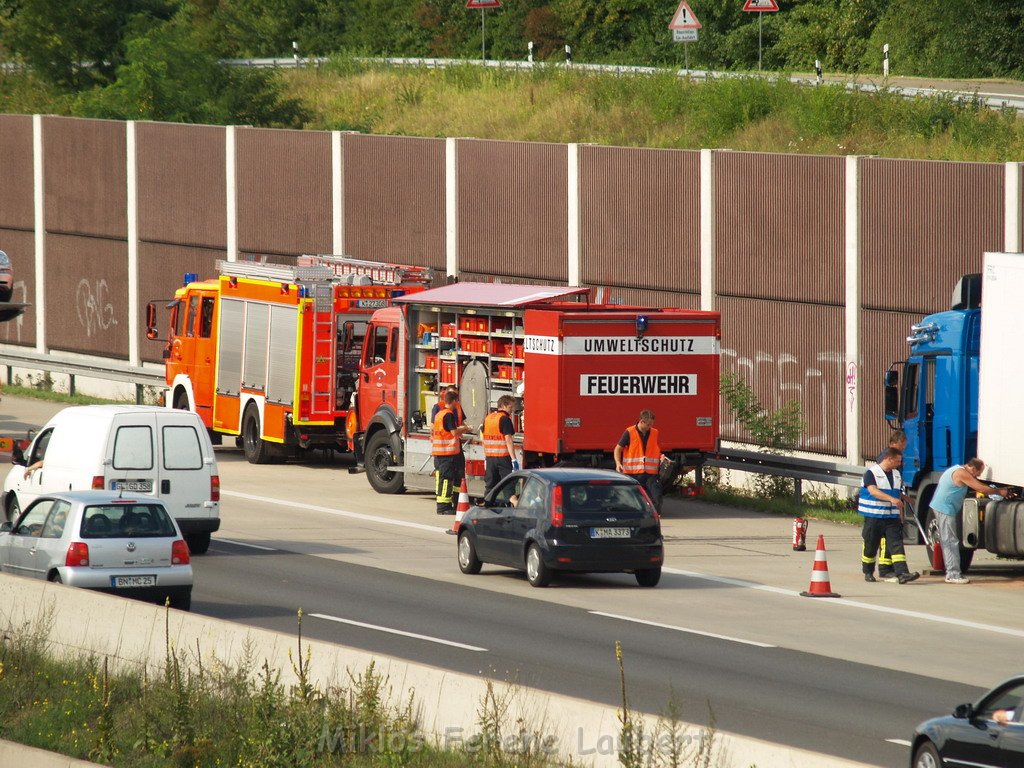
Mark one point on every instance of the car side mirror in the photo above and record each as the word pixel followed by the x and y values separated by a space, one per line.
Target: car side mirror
pixel 964 712
pixel 6 526
pixel 151 331
pixel 892 395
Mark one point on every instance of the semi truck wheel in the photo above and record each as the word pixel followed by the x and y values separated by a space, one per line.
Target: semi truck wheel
pixel 380 463
pixel 256 450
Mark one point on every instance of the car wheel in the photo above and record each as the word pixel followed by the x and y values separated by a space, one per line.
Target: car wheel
pixel 380 463
pixel 13 508
pixel 256 449
pixel 648 577
pixel 198 543
pixel 931 526
pixel 538 574
pixel 183 602
pixel 468 561
pixel 927 756
pixel 55 578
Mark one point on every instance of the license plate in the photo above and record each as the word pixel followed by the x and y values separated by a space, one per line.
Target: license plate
pixel 135 486
pixel 127 582
pixel 371 303
pixel 609 533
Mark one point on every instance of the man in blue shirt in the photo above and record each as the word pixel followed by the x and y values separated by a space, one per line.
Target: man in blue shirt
pixel 881 504
pixel 946 502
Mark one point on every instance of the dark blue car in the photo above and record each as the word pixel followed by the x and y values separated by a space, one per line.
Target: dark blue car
pixel 989 733
pixel 547 520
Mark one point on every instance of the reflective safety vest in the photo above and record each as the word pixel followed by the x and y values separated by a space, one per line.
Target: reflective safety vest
pixel 443 442
pixel 636 460
pixel 494 441
pixel 869 506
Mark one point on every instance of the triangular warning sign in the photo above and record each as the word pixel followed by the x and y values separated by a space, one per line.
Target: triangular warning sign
pixel 483 3
pixel 761 5
pixel 684 18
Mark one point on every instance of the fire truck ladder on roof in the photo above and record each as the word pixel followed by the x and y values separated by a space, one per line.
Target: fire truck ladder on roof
pixel 378 272
pixel 324 351
pixel 281 273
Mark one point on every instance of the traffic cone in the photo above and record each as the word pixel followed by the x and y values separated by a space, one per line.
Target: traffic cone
pixel 461 508
pixel 820 585
pixel 938 561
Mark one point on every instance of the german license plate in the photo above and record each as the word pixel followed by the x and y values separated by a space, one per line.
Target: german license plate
pixel 127 582
pixel 135 486
pixel 609 533
pixel 371 303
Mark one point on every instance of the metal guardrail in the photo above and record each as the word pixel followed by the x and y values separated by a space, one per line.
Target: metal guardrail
pixel 813 470
pixel 98 368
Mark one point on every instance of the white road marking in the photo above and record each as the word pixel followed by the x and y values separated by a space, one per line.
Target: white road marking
pixel 243 544
pixel 337 512
pixel 682 629
pixel 901 742
pixel 851 603
pixel 389 630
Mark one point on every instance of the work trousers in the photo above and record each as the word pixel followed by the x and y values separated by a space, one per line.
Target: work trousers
pixel 652 484
pixel 950 544
pixel 887 529
pixel 449 472
pixel 496 469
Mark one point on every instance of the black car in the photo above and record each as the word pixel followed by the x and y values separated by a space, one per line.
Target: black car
pixel 546 520
pixel 988 733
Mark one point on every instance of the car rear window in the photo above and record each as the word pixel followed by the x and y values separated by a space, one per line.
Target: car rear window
pixel 584 499
pixel 181 448
pixel 119 521
pixel 133 448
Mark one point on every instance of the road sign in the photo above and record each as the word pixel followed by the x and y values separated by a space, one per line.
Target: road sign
pixel 486 4
pixel 684 35
pixel 684 18
pixel 760 6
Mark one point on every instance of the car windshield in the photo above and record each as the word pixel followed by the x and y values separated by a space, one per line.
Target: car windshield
pixel 118 521
pixel 585 499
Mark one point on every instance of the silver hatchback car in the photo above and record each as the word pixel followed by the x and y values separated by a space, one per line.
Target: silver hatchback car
pixel 102 541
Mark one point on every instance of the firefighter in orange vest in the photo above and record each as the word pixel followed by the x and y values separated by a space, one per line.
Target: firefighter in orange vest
pixel 449 461
pixel 639 456
pixel 457 409
pixel 499 449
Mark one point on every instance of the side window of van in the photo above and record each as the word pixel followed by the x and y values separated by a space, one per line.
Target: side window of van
pixel 133 448
pixel 181 448
pixel 206 318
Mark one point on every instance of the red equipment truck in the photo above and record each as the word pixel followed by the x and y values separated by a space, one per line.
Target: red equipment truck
pixel 269 352
pixel 583 372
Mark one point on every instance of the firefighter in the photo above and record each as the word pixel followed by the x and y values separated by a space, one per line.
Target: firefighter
pixel 897 440
pixel 881 505
pixel 449 461
pixel 639 456
pixel 459 414
pixel 499 449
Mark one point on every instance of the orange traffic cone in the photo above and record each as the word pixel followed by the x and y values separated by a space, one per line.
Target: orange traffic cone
pixel 820 585
pixel 461 508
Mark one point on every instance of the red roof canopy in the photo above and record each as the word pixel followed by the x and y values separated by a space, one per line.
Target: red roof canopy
pixel 497 295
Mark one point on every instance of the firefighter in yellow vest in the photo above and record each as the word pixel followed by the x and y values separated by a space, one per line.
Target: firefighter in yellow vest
pixel 449 461
pixel 639 456
pixel 499 449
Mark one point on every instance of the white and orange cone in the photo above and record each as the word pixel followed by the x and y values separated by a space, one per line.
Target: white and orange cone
pixel 461 508
pixel 820 584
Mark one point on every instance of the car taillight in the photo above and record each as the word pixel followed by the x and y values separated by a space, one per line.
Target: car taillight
pixel 78 554
pixel 557 515
pixel 97 483
pixel 214 487
pixel 179 553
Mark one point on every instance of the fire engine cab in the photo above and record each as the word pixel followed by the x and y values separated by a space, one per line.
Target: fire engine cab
pixel 269 353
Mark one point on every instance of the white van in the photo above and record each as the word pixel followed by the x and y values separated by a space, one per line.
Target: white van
pixel 135 448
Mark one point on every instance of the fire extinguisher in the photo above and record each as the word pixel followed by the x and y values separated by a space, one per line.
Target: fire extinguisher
pixel 799 534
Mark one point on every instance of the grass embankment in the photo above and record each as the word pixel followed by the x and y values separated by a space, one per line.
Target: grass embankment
pixel 663 110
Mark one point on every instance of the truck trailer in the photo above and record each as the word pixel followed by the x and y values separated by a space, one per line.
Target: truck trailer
pixel 269 353
pixel 958 395
pixel 581 373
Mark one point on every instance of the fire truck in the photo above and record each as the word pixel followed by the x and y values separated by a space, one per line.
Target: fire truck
pixel 581 373
pixel 269 352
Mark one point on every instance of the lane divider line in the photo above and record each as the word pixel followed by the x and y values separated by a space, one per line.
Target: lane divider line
pixel 391 631
pixel 219 540
pixel 681 629
pixel 334 511
pixel 851 603
pixel 900 742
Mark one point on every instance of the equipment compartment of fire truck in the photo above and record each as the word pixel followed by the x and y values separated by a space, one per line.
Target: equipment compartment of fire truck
pixel 269 353
pixel 581 374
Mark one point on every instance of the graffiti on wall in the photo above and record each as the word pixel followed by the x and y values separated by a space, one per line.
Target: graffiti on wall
pixel 817 384
pixel 95 311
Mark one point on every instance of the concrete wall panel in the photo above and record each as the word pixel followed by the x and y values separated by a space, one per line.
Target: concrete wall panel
pixel 16 205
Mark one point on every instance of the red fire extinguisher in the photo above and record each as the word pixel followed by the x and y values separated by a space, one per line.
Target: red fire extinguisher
pixel 799 534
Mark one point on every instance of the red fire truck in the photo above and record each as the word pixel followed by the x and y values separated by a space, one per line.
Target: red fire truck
pixel 582 373
pixel 269 352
